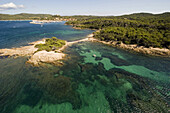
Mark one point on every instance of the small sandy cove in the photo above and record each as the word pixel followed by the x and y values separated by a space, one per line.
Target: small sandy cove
pixel 37 58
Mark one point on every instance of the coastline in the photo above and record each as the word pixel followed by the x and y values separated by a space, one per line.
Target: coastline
pixel 79 28
pixel 15 20
pixel 37 58
pixel 23 50
pixel 161 52
pixel 139 49
pixel 43 21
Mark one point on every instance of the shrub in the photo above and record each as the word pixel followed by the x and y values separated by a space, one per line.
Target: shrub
pixel 51 44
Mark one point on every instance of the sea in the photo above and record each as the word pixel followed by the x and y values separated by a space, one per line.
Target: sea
pixel 94 77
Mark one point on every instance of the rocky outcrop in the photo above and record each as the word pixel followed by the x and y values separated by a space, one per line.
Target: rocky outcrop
pixel 36 58
pixel 149 51
pixel 22 51
pixel 164 52
pixel 40 57
pixel 45 57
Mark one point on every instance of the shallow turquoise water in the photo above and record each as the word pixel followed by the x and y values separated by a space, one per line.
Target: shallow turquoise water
pixel 113 81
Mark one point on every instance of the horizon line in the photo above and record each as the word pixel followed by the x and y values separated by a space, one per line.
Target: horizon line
pixel 95 14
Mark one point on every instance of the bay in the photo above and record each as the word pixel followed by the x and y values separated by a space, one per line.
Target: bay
pixel 114 80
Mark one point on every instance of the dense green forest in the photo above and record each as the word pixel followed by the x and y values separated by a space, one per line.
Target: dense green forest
pixel 143 29
pixel 25 16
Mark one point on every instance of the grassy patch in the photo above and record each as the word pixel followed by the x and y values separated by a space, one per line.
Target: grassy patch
pixel 51 44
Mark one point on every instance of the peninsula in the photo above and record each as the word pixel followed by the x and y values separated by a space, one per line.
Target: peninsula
pixel 48 50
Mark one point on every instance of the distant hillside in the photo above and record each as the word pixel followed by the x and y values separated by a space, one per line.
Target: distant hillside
pixel 148 14
pixel 24 16
pixel 134 16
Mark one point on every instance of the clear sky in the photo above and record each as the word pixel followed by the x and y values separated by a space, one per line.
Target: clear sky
pixel 84 7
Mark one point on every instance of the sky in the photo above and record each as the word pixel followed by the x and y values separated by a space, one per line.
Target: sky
pixel 84 7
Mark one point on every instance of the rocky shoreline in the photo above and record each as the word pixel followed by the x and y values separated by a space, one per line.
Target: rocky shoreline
pixel 37 58
pixel 22 51
pixel 161 52
pixel 164 52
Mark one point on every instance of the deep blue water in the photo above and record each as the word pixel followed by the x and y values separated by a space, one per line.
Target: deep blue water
pixel 20 33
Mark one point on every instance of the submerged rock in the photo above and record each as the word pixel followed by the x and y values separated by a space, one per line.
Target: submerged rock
pixel 60 89
pixel 141 98
pixel 116 60
pixel 98 58
pixel 94 55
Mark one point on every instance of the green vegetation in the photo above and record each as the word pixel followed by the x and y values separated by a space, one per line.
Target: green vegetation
pixel 143 29
pixel 26 16
pixel 51 44
pixel 131 35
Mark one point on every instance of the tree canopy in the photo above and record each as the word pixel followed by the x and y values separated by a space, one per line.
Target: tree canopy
pixel 143 29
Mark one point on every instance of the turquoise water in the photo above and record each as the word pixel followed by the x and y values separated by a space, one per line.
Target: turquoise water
pixel 113 81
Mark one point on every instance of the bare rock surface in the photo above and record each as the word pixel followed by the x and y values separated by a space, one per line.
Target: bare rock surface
pixel 163 52
pixel 45 57
pixel 22 51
